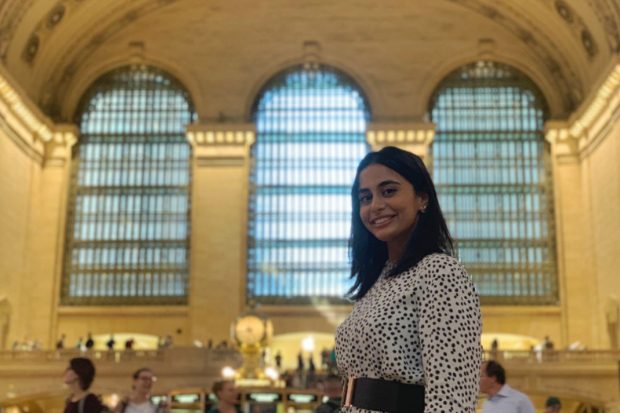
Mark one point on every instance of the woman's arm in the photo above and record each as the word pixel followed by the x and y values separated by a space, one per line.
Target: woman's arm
pixel 450 329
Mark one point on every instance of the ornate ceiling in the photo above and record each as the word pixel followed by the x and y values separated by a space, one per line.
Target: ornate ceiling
pixel 224 50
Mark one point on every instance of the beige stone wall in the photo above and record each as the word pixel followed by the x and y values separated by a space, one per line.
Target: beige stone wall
pixel 18 174
pixel 159 321
pixel 601 179
pixel 532 321
pixel 218 244
pixel 34 174
pixel 33 188
pixel 587 195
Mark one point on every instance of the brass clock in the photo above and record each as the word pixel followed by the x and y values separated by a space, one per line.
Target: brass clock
pixel 252 330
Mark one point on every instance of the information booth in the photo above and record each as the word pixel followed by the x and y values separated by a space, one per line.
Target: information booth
pixel 251 400
pixel 302 401
pixel 262 400
pixel 187 401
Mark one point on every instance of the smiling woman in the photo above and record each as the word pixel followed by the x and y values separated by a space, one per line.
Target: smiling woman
pixel 389 207
pixel 412 342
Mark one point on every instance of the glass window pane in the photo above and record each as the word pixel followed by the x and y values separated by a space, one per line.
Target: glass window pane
pixel 129 205
pixel 488 151
pixel 311 126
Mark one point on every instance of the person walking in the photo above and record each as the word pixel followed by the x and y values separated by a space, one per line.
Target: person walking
pixel 501 397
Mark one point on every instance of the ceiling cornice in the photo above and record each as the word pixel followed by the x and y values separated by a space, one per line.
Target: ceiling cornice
pixel 608 14
pixel 11 15
pixel 558 67
pixel 67 64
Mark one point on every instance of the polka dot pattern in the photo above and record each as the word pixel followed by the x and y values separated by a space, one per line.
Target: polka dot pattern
pixel 423 327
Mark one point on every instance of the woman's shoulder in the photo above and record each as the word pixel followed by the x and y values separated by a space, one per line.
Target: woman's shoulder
pixel 440 264
pixel 439 260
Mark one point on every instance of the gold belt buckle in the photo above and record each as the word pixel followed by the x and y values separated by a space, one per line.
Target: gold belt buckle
pixel 349 386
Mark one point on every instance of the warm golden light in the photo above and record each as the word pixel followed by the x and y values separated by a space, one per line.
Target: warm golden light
pixel 228 372
pixel 307 344
pixel 271 373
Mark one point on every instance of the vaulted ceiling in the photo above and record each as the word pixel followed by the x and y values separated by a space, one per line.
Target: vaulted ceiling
pixel 224 50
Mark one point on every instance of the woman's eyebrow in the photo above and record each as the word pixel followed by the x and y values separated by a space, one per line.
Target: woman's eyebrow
pixel 388 182
pixel 381 184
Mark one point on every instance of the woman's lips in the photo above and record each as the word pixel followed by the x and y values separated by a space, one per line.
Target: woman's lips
pixel 381 221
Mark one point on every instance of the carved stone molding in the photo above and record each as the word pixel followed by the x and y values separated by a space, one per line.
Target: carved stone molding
pixel 588 127
pixel 11 15
pixel 413 137
pixel 576 25
pixel 565 147
pixel 221 144
pixel 608 14
pixel 35 134
pixel 58 149
pixel 45 26
pixel 68 65
pixel 567 81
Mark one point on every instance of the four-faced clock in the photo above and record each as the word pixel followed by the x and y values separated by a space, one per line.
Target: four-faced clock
pixel 250 330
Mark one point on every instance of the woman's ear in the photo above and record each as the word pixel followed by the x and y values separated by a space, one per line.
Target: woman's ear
pixel 423 198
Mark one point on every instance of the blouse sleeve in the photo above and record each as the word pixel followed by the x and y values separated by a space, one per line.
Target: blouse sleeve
pixel 450 329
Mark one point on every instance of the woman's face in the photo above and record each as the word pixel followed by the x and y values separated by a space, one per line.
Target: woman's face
pixel 144 381
pixel 389 205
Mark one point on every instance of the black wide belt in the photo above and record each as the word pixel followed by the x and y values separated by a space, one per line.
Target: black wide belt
pixel 383 395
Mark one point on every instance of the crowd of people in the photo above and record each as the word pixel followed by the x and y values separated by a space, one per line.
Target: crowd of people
pixel 111 343
pixel 79 376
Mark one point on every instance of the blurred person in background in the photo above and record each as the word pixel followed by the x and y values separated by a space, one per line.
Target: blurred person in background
pixel 332 395
pixel 501 397
pixel 139 400
pixel 553 405
pixel 78 377
pixel 227 397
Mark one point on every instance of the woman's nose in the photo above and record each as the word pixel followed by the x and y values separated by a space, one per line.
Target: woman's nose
pixel 377 203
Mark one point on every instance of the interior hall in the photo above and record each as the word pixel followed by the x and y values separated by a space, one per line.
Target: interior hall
pixel 175 186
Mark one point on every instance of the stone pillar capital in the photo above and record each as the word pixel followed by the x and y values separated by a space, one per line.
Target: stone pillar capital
pixel 564 145
pixel 415 137
pixel 57 147
pixel 221 143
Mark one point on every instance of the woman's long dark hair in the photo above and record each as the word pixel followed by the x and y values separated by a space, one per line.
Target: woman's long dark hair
pixel 430 235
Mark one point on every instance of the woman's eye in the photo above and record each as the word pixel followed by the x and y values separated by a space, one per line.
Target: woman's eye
pixel 389 191
pixel 364 199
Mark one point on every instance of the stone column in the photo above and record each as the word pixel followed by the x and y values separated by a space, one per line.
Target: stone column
pixel 49 194
pixel 219 209
pixel 577 291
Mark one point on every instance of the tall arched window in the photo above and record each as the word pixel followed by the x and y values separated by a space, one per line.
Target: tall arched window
pixel 128 221
pixel 492 170
pixel 311 125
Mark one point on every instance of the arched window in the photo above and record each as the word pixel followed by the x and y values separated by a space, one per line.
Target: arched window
pixel 492 170
pixel 311 125
pixel 128 220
